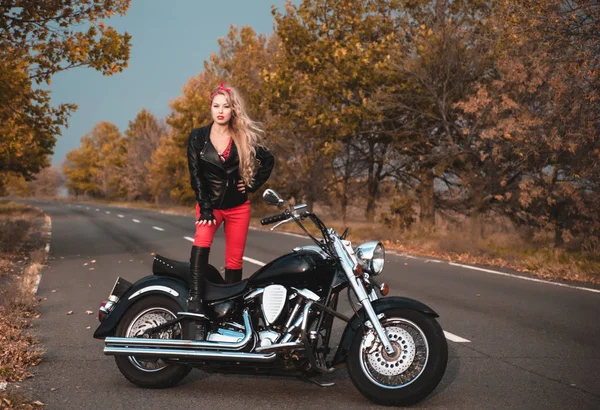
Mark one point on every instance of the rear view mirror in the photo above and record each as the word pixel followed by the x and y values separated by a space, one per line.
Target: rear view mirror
pixel 271 197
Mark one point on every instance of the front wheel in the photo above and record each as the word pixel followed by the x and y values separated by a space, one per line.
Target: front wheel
pixel 149 312
pixel 414 369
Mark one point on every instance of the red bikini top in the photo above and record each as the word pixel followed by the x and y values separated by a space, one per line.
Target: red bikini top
pixel 225 154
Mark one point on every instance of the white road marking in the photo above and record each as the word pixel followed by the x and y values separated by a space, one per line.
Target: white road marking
pixel 36 284
pixel 158 228
pixel 107 212
pixel 136 221
pixel 405 255
pixel 87 207
pixel 48 229
pixel 97 210
pixel 254 261
pixel 510 275
pixel 247 259
pixel 455 338
pixel 283 233
pixel 295 235
pixel 121 216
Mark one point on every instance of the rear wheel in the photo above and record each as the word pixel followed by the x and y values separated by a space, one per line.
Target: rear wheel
pixel 409 374
pixel 149 312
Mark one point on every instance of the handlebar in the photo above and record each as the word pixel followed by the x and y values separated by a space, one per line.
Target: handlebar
pixel 276 218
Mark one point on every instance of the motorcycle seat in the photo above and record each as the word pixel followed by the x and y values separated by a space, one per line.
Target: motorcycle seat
pixel 214 291
pixel 171 268
pixel 181 270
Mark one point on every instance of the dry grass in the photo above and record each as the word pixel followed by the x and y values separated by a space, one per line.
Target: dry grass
pixel 500 246
pixel 17 346
pixel 19 272
pixel 11 401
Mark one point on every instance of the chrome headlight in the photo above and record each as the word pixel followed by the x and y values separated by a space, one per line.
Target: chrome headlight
pixel 372 256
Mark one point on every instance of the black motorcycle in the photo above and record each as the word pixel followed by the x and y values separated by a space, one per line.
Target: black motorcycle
pixel 279 321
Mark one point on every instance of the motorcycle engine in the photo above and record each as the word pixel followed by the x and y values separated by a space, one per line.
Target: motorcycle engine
pixel 268 337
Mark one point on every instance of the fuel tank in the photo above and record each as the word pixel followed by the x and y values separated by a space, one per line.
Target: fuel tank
pixel 304 267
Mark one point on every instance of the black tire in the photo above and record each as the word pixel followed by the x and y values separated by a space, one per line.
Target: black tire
pixel 424 373
pixel 132 368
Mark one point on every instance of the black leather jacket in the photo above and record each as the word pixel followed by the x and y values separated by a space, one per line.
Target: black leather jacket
pixel 215 182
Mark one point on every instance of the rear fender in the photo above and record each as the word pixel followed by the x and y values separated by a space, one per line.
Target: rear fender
pixel 149 285
pixel 380 306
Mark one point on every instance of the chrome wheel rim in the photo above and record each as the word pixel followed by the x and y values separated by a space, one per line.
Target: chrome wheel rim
pixel 405 365
pixel 148 319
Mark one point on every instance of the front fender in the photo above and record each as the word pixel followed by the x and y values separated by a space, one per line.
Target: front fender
pixel 380 306
pixel 149 285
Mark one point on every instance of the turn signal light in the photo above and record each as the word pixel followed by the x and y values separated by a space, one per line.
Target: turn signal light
pixel 384 288
pixel 358 271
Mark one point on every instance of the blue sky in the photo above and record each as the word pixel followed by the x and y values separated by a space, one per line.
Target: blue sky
pixel 171 40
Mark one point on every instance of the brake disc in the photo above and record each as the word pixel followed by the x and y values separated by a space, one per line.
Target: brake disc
pixel 399 361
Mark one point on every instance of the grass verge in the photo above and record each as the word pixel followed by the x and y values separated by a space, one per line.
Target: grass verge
pixel 22 256
pixel 505 249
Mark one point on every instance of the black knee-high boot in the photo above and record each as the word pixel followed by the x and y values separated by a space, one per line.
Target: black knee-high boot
pixel 198 263
pixel 233 275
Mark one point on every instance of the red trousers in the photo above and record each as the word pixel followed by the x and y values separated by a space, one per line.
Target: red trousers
pixel 236 222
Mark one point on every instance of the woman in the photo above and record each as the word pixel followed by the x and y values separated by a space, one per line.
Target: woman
pixel 226 161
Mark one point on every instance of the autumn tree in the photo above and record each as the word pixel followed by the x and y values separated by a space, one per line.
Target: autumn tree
pixel 143 137
pixel 168 176
pixel 537 122
pixel 46 183
pixel 330 67
pixel 441 55
pixel 37 40
pixel 349 175
pixel 14 185
pixel 97 167
pixel 81 169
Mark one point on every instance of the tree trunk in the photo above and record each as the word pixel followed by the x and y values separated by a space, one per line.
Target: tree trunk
pixel 476 223
pixel 426 202
pixel 558 238
pixel 344 207
pixel 310 202
pixel 370 212
pixel 372 189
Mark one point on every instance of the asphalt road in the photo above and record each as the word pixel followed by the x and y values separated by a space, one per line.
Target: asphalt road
pixel 514 343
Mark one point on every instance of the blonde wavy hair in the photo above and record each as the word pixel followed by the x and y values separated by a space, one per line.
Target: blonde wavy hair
pixel 247 134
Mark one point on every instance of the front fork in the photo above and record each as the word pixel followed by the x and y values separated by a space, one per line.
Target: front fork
pixel 349 265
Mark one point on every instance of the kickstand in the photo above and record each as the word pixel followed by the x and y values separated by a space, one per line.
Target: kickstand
pixel 320 384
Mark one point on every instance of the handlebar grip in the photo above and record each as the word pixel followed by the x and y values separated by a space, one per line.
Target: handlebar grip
pixel 272 219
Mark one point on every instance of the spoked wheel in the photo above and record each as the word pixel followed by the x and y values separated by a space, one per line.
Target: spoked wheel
pixel 150 312
pixel 412 371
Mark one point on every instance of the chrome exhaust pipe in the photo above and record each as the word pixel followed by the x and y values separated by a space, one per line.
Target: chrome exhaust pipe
pixel 189 354
pixel 141 343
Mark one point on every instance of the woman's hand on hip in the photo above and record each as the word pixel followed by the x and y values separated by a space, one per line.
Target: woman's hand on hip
pixel 241 186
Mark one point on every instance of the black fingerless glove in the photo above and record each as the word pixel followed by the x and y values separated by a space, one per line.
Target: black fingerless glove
pixel 206 215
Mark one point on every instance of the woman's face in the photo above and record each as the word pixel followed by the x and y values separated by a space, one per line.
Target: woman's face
pixel 221 110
